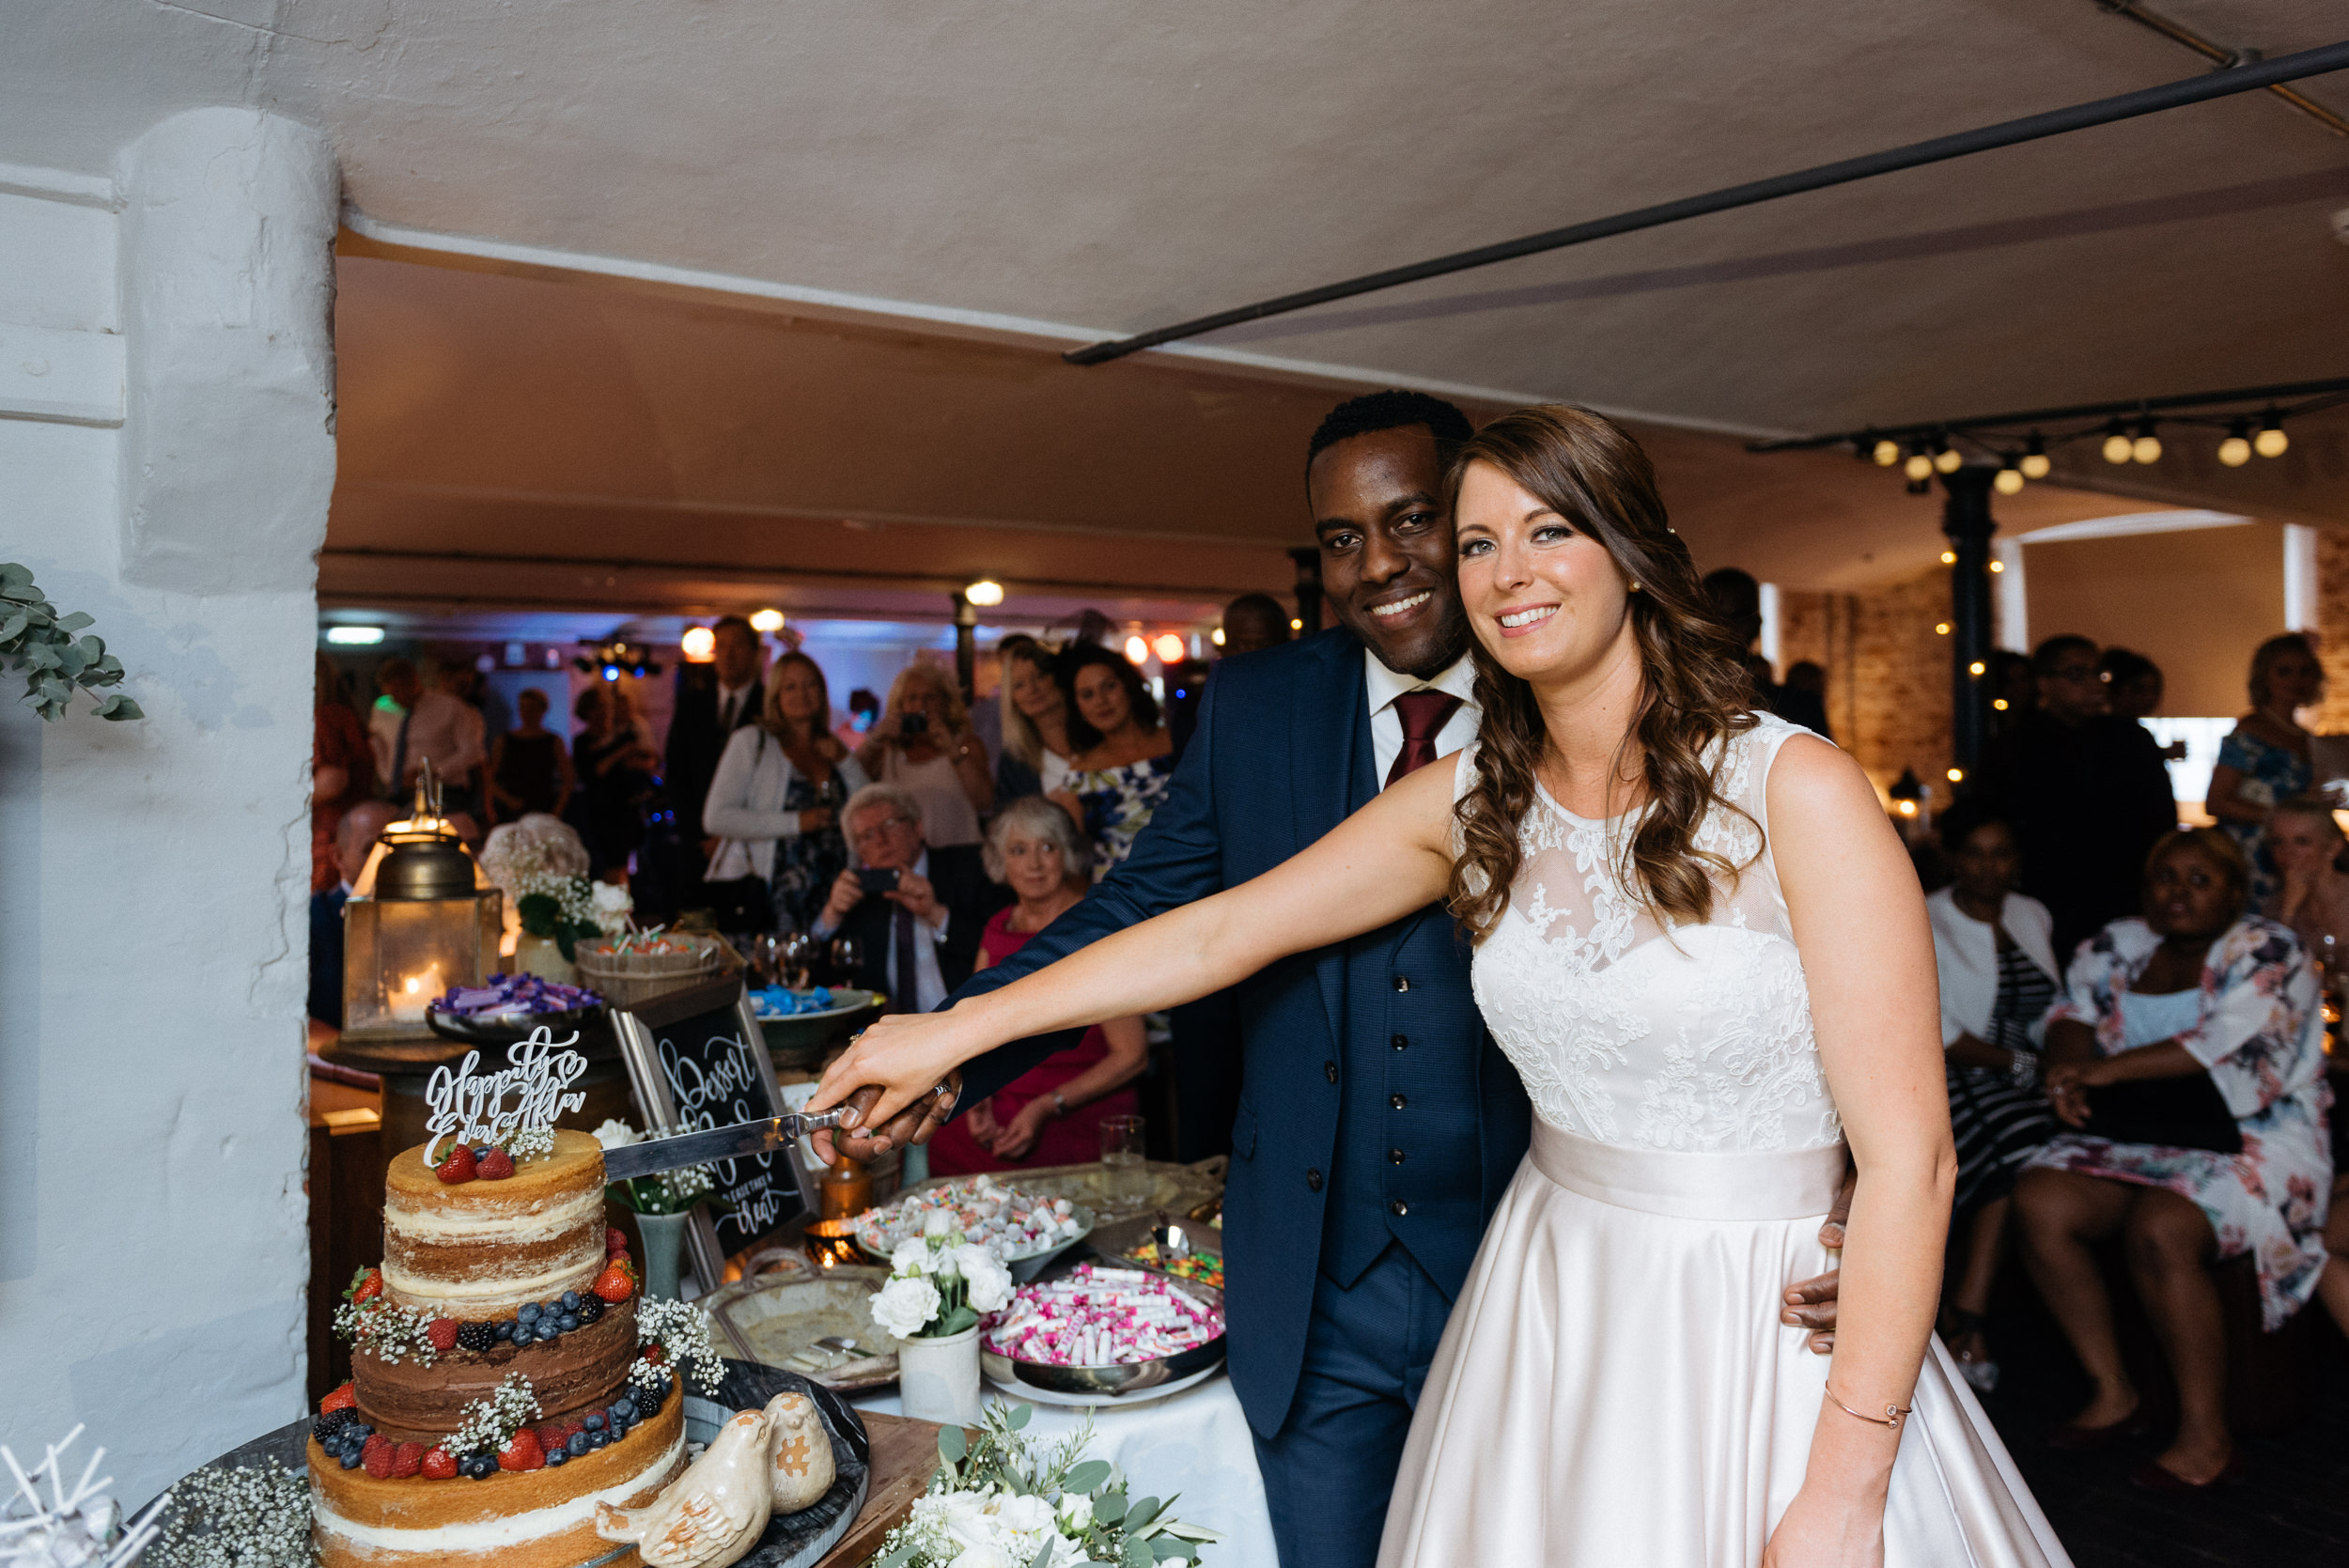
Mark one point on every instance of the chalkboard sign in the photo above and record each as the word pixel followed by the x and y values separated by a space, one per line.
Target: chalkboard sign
pixel 697 1060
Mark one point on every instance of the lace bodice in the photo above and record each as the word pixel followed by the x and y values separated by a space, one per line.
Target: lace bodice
pixel 1690 1037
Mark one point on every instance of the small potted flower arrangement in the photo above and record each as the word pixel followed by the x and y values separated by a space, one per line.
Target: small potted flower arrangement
pixel 940 1284
pixel 663 1203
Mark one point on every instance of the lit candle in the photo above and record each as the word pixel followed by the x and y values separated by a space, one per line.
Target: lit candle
pixel 414 993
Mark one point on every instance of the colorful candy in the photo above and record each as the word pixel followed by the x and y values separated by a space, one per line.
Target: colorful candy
pixel 1095 1316
pixel 1010 1224
pixel 513 995
pixel 1205 1267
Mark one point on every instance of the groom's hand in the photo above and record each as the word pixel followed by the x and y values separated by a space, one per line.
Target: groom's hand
pixel 1811 1303
pixel 912 1125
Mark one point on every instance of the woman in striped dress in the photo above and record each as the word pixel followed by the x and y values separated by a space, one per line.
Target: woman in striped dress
pixel 1997 976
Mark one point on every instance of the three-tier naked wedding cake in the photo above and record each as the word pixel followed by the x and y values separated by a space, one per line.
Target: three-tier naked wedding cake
pixel 506 1377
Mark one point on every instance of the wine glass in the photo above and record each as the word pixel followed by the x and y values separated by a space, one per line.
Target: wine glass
pixel 796 960
pixel 848 956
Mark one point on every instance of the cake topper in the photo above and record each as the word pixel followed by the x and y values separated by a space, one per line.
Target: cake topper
pixel 515 1109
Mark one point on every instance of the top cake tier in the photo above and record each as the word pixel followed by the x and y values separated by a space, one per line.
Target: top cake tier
pixel 477 1250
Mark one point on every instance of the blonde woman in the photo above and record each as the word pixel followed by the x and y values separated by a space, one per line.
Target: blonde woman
pixel 1037 747
pixel 924 745
pixel 776 797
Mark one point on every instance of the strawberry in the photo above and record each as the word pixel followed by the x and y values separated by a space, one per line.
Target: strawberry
pixel 656 1355
pixel 341 1399
pixel 495 1166
pixel 377 1456
pixel 442 1331
pixel 615 1241
pixel 617 1282
pixel 438 1465
pixel 365 1286
pixel 457 1166
pixel 407 1459
pixel 551 1436
pixel 522 1453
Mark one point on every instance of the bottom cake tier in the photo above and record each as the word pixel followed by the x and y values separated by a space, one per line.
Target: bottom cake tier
pixel 537 1518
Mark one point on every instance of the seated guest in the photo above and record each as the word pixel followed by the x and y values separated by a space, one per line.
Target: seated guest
pixel 2265 758
pixel 1053 1113
pixel 2306 839
pixel 1252 622
pixel 1035 759
pixel 924 745
pixel 1998 972
pixel 355 838
pixel 1126 757
pixel 917 933
pixel 2187 1055
pixel 775 802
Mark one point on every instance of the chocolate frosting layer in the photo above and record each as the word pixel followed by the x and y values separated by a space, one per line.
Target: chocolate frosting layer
pixel 579 1370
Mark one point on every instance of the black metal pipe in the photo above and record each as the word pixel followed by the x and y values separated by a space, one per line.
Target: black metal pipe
pixel 2055 122
pixel 1967 523
pixel 2277 392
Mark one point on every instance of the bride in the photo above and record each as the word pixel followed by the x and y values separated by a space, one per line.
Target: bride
pixel 1701 943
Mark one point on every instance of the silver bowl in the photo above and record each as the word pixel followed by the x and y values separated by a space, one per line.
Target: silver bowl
pixel 1126 1377
pixel 1024 1267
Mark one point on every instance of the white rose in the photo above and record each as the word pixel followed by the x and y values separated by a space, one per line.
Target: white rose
pixel 611 900
pixel 616 1134
pixel 905 1307
pixel 1029 1514
pixel 937 1223
pixel 986 1555
pixel 911 1257
pixel 989 1280
pixel 1076 1513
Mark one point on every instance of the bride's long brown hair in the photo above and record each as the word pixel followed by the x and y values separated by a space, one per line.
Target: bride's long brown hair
pixel 1695 692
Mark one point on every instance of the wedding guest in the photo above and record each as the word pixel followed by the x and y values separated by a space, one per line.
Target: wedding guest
pixel 355 839
pixel 2014 691
pixel 917 935
pixel 2133 689
pixel 614 765
pixel 1999 976
pixel 1802 699
pixel 342 768
pixel 709 712
pixel 774 806
pixel 1736 598
pixel 924 745
pixel 2266 759
pixel 1254 622
pixel 1034 758
pixel 1052 1114
pixel 1125 757
pixel 424 723
pixel 2306 839
pixel 2187 1057
pixel 530 767
pixel 2086 793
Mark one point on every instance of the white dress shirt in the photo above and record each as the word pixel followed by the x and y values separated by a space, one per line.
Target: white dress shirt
pixel 929 980
pixel 444 728
pixel 1381 686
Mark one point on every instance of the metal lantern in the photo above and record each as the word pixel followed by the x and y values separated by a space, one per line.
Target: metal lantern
pixel 421 918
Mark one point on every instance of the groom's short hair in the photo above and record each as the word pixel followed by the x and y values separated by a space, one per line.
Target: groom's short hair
pixel 1393 410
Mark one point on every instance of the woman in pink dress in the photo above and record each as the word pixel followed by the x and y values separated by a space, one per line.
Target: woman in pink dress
pixel 1050 1115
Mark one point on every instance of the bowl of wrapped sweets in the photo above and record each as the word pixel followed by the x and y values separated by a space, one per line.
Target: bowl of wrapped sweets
pixel 509 1007
pixel 1098 1332
pixel 802 1025
pixel 1024 1231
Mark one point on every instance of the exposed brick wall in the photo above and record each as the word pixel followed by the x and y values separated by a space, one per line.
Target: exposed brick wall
pixel 2332 622
pixel 1888 673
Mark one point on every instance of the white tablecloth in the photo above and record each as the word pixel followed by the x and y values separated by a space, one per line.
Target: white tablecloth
pixel 1195 1443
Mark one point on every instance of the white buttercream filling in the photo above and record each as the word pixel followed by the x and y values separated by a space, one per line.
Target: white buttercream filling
pixel 489 1535
pixel 514 1226
pixel 568 1274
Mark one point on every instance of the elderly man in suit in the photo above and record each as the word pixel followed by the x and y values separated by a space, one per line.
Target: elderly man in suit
pixel 915 911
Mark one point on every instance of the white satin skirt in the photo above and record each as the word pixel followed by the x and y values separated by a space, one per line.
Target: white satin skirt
pixel 1614 1389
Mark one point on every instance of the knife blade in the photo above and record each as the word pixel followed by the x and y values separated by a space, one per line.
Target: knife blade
pixel 656 1154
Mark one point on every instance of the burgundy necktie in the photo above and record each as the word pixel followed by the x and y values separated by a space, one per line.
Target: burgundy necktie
pixel 1424 713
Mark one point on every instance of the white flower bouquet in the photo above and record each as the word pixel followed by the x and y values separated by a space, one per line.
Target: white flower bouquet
pixel 939 1283
pixel 663 1191
pixel 996 1502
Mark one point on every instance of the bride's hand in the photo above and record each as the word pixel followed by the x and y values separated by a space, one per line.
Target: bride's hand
pixel 1819 1531
pixel 906 1054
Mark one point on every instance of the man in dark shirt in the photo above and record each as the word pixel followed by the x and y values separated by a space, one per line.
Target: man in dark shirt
pixel 2086 791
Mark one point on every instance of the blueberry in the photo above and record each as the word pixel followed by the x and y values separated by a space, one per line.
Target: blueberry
pixel 578 1444
pixel 567 1322
pixel 481 1151
pixel 598 1439
pixel 527 1312
pixel 592 1421
pixel 560 1457
pixel 550 1327
pixel 350 1458
pixel 570 1300
pixel 502 1328
pixel 360 1430
pixel 624 1408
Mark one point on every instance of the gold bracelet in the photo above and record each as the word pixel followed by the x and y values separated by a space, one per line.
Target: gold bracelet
pixel 1891 1417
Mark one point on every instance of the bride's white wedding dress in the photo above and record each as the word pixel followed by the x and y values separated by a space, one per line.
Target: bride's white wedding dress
pixel 1614 1387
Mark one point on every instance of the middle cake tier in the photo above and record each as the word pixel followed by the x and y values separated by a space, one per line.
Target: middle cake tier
pixel 409 1401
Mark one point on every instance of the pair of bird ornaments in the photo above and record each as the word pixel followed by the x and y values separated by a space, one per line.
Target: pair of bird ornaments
pixel 762 1463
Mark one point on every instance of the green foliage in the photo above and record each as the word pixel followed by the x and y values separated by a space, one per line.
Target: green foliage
pixel 40 644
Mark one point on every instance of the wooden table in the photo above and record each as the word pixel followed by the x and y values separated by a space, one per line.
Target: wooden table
pixel 905 1456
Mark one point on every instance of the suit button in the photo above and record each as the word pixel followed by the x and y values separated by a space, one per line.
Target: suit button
pixel 1394 1156
pixel 1397 1101
pixel 1312 1181
pixel 1398 1208
pixel 1329 1071
pixel 1402 982
pixel 1399 1041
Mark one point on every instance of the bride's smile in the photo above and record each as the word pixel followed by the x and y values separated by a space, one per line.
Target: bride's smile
pixel 1547 600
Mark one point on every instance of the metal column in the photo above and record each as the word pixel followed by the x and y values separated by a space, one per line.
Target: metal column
pixel 966 645
pixel 1967 523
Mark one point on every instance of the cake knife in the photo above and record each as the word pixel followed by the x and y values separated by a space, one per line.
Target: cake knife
pixel 653 1154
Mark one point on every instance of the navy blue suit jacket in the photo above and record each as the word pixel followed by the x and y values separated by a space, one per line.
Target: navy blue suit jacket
pixel 1374 1104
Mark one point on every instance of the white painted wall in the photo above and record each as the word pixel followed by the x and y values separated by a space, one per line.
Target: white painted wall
pixel 153 1250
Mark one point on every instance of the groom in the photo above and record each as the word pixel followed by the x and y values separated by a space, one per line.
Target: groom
pixel 1378 1124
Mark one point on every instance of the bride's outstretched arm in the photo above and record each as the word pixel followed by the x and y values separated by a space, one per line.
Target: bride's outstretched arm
pixel 1867 955
pixel 1392 857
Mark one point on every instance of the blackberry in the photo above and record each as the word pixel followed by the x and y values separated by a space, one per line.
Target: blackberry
pixel 328 1426
pixel 590 1308
pixel 476 1336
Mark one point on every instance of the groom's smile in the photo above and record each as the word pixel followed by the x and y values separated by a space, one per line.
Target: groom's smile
pixel 1388 563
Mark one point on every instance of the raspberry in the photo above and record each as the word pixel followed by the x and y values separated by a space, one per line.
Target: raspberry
pixel 440 1465
pixel 615 1241
pixel 377 1456
pixel 457 1166
pixel 442 1331
pixel 407 1459
pixel 551 1436
pixel 341 1399
pixel 522 1454
pixel 617 1283
pixel 495 1166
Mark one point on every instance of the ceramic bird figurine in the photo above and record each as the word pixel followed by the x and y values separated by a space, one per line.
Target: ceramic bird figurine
pixel 799 1451
pixel 710 1515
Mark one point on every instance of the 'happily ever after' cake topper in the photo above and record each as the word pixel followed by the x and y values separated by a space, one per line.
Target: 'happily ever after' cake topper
pixel 515 1109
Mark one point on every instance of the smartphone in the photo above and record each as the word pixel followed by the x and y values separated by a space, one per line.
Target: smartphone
pixel 913 723
pixel 878 880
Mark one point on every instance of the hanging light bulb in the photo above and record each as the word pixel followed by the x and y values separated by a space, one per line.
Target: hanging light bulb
pixel 1137 651
pixel 2034 464
pixel 2009 479
pixel 2116 442
pixel 2236 449
pixel 1919 465
pixel 767 620
pixel 699 644
pixel 2146 448
pixel 1949 557
pixel 1941 629
pixel 1886 452
pixel 985 593
pixel 1945 457
pixel 2271 441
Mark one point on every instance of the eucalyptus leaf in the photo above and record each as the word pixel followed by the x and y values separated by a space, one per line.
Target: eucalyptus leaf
pixel 1139 1514
pixel 951 1444
pixel 1167 1546
pixel 1087 1476
pixel 1019 1417
pixel 1109 1508
pixel 14 627
pixel 76 621
pixel 1138 1554
pixel 1044 1553
pixel 120 705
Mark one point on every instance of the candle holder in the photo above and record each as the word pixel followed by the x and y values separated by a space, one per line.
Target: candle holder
pixel 421 918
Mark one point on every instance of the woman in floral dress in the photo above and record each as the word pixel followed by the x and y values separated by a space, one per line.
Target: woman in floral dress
pixel 2198 986
pixel 2266 758
pixel 1125 758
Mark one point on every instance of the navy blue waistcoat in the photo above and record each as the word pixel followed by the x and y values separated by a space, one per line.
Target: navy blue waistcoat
pixel 1374 1104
